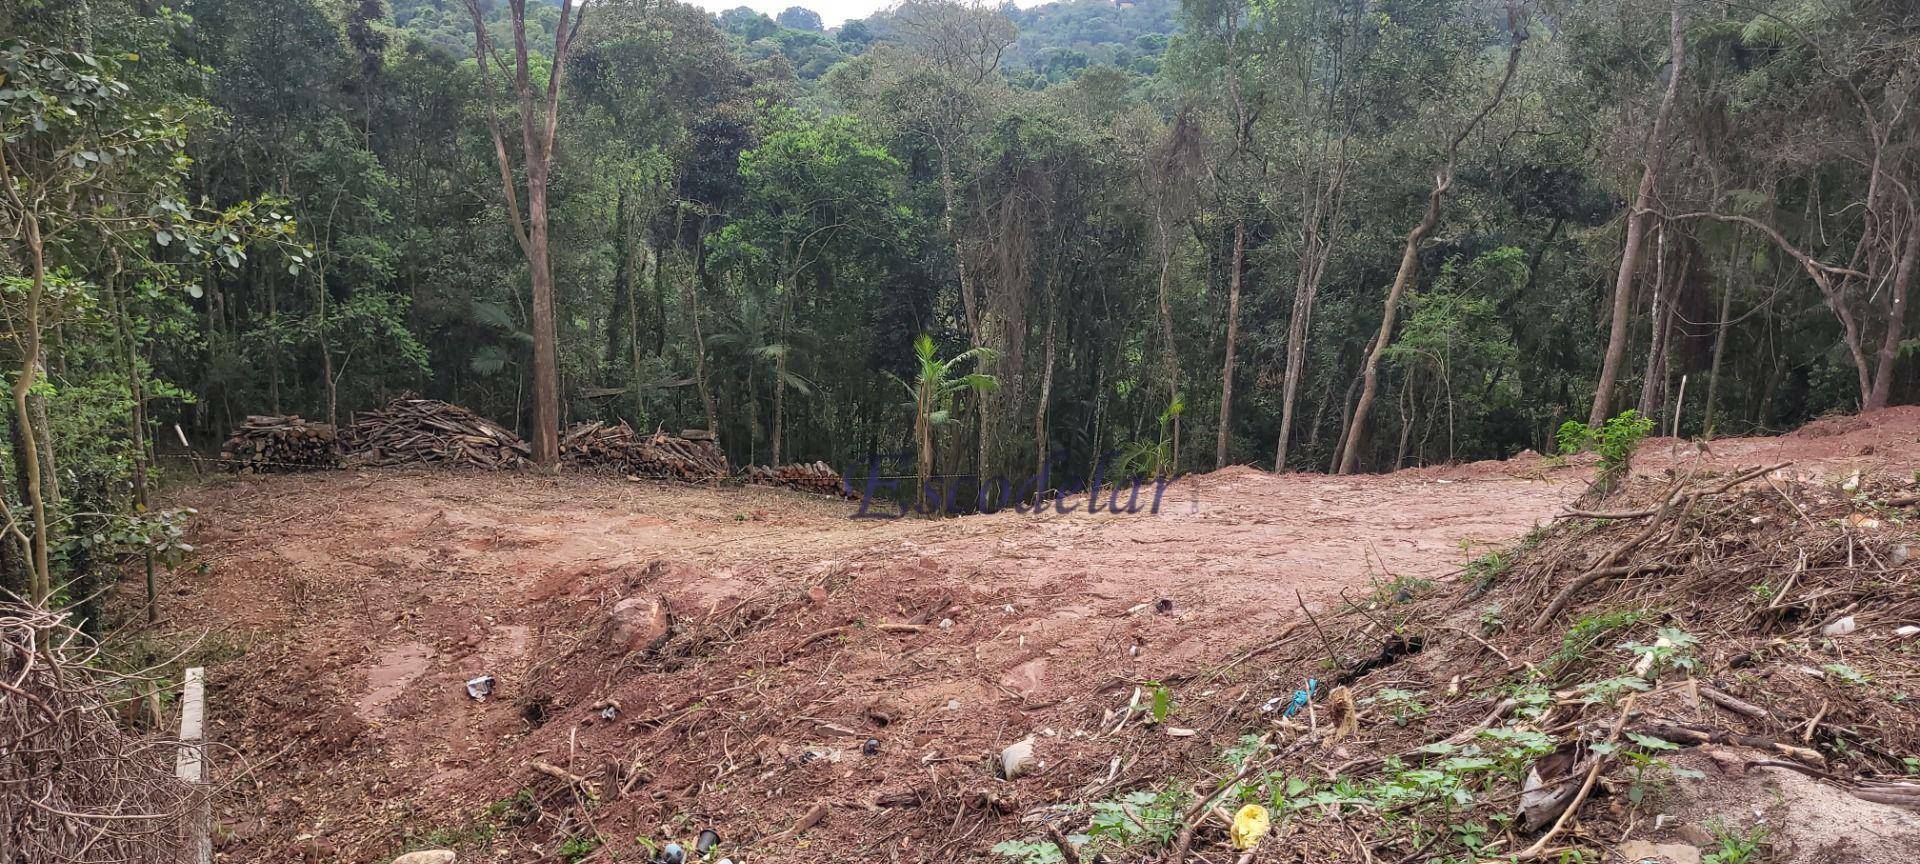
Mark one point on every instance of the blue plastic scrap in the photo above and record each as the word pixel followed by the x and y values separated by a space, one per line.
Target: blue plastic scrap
pixel 1301 697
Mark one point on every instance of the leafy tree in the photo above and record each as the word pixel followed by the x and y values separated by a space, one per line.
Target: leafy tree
pixel 539 115
pixel 799 18
pixel 90 168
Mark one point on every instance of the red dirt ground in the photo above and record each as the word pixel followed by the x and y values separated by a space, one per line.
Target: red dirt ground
pixel 343 612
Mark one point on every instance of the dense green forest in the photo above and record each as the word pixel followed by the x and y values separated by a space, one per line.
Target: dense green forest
pixel 1328 235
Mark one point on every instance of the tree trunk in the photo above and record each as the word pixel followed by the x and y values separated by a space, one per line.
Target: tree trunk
pixel 923 440
pixel 1656 341
pixel 1233 334
pixel 1316 248
pixel 1046 392
pixel 1894 309
pixel 546 363
pixel 779 403
pixel 1409 261
pixel 1346 420
pixel 753 420
pixel 1406 424
pixel 273 348
pixel 1721 326
pixel 1169 358
pixel 326 351
pixel 633 326
pixel 1655 151
pixel 40 579
pixel 1370 372
pixel 692 305
pixel 539 123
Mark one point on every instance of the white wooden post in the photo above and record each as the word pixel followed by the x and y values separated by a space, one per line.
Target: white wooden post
pixel 192 766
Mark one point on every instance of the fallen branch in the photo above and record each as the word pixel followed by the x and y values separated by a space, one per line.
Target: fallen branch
pixel 1060 842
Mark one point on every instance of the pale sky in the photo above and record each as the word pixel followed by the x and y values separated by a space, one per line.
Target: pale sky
pixel 832 12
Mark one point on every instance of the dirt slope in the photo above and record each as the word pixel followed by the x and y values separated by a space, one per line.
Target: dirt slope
pixel 345 611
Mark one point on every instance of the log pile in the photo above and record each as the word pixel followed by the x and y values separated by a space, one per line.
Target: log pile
pixel 429 430
pixel 693 455
pixel 818 478
pixel 277 444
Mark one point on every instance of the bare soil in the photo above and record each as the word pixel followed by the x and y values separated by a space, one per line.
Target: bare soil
pixel 340 615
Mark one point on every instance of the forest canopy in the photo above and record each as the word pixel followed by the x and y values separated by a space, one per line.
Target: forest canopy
pixel 1300 234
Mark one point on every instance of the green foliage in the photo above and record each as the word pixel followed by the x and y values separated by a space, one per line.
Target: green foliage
pixel 1647 772
pixel 1737 846
pixel 1162 703
pixel 1038 851
pixel 750 210
pixel 1399 589
pixel 577 849
pixel 1672 649
pixel 1483 572
pixel 1587 633
pixel 1614 441
pixel 1846 674
pixel 1450 778
pixel 1403 706
pixel 1141 818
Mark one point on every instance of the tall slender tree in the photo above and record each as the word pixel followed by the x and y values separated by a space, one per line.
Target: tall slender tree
pixel 1638 218
pixel 539 113
pixel 1410 259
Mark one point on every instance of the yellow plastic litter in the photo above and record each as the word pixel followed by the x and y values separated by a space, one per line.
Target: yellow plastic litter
pixel 1250 826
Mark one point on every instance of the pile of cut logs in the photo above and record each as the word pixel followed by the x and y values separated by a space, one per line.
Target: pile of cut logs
pixel 817 478
pixel 429 430
pixel 273 444
pixel 693 455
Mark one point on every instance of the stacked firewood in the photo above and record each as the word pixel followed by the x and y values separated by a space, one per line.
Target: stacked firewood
pixel 276 444
pixel 428 430
pixel 692 455
pixel 817 477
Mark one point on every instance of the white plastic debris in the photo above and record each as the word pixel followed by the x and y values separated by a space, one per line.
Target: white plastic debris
pixel 1017 758
pixel 1840 628
pixel 480 688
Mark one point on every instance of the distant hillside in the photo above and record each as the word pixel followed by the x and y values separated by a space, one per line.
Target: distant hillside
pixel 1058 40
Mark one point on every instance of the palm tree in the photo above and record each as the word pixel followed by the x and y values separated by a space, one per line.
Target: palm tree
pixel 931 394
pixel 752 334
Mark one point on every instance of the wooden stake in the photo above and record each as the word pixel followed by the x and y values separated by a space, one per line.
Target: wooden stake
pixel 192 765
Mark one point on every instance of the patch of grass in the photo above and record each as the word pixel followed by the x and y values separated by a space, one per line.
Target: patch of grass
pixel 1143 817
pixel 479 833
pixel 1487 570
pixel 1737 846
pixel 1399 589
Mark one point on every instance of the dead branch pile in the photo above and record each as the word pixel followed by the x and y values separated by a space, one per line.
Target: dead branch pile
pixel 693 455
pixel 429 430
pixel 1769 615
pixel 277 444
pixel 74 786
pixel 818 478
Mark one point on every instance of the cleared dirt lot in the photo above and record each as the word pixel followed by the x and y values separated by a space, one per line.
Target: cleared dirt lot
pixel 345 611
